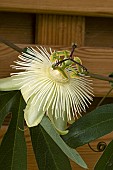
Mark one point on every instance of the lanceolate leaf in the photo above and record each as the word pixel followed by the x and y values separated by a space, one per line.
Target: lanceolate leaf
pixel 6 101
pixel 48 155
pixel 106 160
pixel 71 153
pixel 90 127
pixel 13 147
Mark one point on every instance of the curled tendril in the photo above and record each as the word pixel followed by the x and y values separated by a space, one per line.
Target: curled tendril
pixel 100 147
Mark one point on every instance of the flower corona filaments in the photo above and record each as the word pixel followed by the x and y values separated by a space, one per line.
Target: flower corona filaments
pixel 51 84
pixel 59 92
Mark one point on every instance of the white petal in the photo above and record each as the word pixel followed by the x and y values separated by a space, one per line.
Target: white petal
pixel 60 124
pixel 44 88
pixel 9 84
pixel 33 114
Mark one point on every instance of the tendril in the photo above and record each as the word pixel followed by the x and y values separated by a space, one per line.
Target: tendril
pixel 100 147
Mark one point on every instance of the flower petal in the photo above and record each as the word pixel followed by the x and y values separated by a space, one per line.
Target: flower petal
pixel 59 123
pixel 45 89
pixel 8 84
pixel 33 113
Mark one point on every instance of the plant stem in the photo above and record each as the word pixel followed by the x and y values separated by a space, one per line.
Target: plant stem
pixel 11 45
pixel 73 49
pixel 100 77
pixel 105 97
pixel 96 76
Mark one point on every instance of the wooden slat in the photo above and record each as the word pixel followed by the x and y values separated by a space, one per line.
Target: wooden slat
pixel 100 61
pixel 17 27
pixel 87 7
pixel 7 56
pixel 59 29
pixel 97 60
pixel 98 32
pixel 87 154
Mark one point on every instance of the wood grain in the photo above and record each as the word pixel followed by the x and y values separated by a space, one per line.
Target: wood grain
pixel 87 7
pixel 86 153
pixel 100 61
pixel 98 32
pixel 17 27
pixel 59 29
pixel 96 60
pixel 57 24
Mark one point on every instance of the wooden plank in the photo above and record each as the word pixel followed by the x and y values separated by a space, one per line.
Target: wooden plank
pixel 98 32
pixel 59 29
pixel 100 61
pixel 87 154
pixel 7 56
pixel 87 7
pixel 17 27
pixel 97 60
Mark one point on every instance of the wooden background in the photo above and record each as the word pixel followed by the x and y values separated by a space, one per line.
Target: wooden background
pixel 58 24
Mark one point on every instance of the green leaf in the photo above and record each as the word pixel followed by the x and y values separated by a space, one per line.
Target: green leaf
pixel 90 127
pixel 48 155
pixel 13 147
pixel 71 153
pixel 106 160
pixel 6 101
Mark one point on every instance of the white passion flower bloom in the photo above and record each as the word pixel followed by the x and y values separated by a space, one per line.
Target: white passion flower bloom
pixel 54 92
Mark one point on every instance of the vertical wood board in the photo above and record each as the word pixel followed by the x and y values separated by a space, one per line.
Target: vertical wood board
pixel 59 30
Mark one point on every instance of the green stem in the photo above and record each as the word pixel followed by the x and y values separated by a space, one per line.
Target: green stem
pixel 105 96
pixel 100 77
pixel 96 76
pixel 11 45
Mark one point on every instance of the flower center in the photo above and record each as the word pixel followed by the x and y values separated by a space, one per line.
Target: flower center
pixel 59 76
